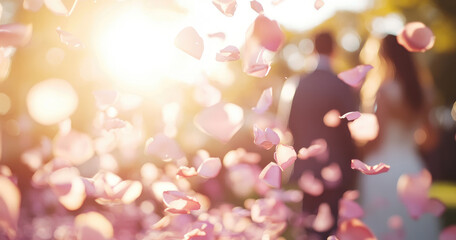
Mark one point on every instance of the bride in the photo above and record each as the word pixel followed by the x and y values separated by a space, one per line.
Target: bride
pixel 401 108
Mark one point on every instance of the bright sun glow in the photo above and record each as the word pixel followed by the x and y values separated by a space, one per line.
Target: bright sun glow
pixel 135 48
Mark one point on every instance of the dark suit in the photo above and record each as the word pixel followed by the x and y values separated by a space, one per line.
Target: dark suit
pixel 317 94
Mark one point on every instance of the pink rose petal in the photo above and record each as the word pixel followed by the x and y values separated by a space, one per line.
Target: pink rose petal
pixel 267 33
pixel 186 172
pixel 220 35
pixel 163 147
pixel 15 35
pixel 332 237
pixel 324 219
pixel 32 5
pixel 127 191
pixel 332 173
pixel 239 155
pixel 272 175
pixel 369 170
pixel 349 209
pixel 220 121
pixel 285 156
pixel 351 116
pixel 180 203
pixel 190 42
pixel 331 118
pixel 264 102
pixel 114 123
pixel 60 180
pixel 75 146
pixel 268 210
pixel 310 185
pixel 93 226
pixel 435 207
pixel 210 168
pixel 265 139
pixel 416 37
pixel 318 148
pixel 105 98
pixel 57 7
pixel 364 128
pixel 354 229
pixel 256 6
pixel 69 39
pixel 318 4
pixel 207 95
pixel 449 233
pixel 355 76
pixel 258 70
pixel 227 7
pixel 413 191
pixel 10 201
pixel 351 194
pixel 229 53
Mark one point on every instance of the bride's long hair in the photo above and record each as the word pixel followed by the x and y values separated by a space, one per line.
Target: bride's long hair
pixel 405 72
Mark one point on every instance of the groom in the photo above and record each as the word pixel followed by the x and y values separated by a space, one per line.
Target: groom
pixel 316 95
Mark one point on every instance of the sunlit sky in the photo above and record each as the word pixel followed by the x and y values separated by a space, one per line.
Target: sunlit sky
pixel 147 36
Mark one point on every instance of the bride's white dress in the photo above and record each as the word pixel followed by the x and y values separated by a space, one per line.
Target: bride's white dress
pixel 378 194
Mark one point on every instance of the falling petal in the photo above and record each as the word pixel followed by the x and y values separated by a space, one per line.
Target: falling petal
pixel 75 197
pixel 267 33
pixel 15 35
pixel 416 37
pixel 220 35
pixel 51 101
pixel 369 170
pixel 32 5
pixel 210 168
pixel 178 202
pixel 114 123
pixel 220 121
pixel 57 7
pixel 332 173
pixel 207 95
pixel 227 7
pixel 186 171
pixel 105 98
pixel 324 219
pixel 229 53
pixel 69 39
pixel 190 42
pixel 355 76
pixel 349 209
pixel 351 116
pixel 449 233
pixel 318 4
pixel 93 226
pixel 75 146
pixel 285 156
pixel 10 200
pixel 256 6
pixel 435 207
pixel 331 118
pixel 127 191
pixel 163 147
pixel 265 139
pixel 272 175
pixel 413 191
pixel 354 229
pixel 310 185
pixel 364 128
pixel 317 149
pixel 264 102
